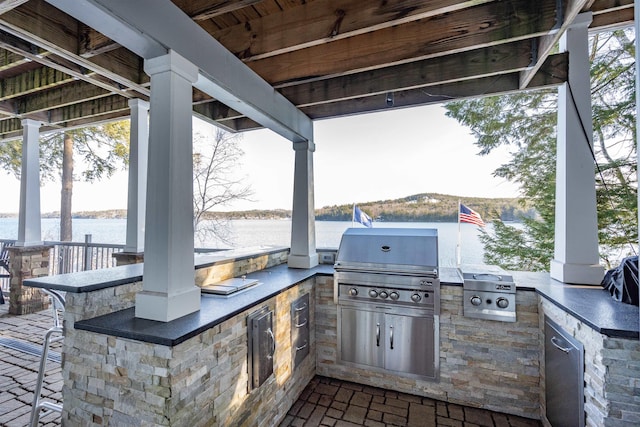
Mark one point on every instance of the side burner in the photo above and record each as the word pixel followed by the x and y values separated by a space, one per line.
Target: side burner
pixel 489 296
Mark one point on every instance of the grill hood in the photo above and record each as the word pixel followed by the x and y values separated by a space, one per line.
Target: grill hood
pixel 389 250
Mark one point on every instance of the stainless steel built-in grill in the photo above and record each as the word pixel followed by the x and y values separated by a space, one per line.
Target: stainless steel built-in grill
pixel 387 289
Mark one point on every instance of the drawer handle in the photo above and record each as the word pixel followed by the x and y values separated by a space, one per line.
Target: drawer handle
pixel 556 344
pixel 378 334
pixel 306 343
pixel 304 307
pixel 273 342
pixel 391 336
pixel 304 323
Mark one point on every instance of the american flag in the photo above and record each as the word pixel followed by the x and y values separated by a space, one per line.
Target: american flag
pixel 469 215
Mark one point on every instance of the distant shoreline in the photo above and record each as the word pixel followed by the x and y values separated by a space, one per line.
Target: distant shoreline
pixel 424 207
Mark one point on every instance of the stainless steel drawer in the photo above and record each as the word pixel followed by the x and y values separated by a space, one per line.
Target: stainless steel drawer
pixel 300 329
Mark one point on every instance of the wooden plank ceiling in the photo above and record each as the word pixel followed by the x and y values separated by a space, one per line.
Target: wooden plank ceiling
pixel 328 57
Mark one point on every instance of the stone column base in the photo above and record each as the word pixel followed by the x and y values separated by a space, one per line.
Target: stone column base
pixel 127 258
pixel 27 262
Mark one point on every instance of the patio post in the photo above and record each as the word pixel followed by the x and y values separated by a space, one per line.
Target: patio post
pixel 29 227
pixel 138 151
pixel 303 226
pixel 29 258
pixel 169 289
pixel 576 258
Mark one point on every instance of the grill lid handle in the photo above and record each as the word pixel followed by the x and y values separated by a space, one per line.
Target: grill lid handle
pixel 487 276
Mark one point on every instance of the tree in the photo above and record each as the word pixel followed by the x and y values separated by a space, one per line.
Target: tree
pixel 103 148
pixel 526 122
pixel 215 182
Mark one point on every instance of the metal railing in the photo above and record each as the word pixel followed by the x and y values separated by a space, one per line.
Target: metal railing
pixel 71 257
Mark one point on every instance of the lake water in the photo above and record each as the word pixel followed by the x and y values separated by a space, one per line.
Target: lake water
pixel 246 233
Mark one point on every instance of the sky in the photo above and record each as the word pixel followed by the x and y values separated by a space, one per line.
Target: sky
pixel 358 159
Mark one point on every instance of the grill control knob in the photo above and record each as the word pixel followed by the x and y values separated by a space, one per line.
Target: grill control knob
pixel 394 295
pixel 476 300
pixel 373 293
pixel 353 292
pixel 384 294
pixel 416 297
pixel 502 302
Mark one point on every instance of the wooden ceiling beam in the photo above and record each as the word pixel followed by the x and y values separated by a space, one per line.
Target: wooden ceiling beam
pixel 47 27
pixel 58 97
pixel 613 19
pixel 93 42
pixel 310 24
pixel 71 68
pixel 551 74
pixel 606 6
pixel 200 10
pixel 547 42
pixel 12 129
pixel 32 81
pixel 489 24
pixel 10 60
pixel 482 62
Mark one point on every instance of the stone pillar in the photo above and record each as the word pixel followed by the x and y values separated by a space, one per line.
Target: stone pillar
pixel 127 258
pixel 138 153
pixel 29 233
pixel 27 262
pixel 169 290
pixel 303 225
pixel 576 258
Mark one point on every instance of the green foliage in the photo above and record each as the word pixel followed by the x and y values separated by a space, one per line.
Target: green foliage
pixel 103 149
pixel 428 207
pixel 526 122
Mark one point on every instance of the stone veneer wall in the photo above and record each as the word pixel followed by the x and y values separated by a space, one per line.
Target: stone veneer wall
pixel 611 372
pixel 27 262
pixel 200 382
pixel 203 381
pixel 488 364
pixel 233 268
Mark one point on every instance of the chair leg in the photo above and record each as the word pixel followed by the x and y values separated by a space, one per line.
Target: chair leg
pixel 38 405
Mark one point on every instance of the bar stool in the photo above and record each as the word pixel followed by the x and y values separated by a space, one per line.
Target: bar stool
pixel 41 407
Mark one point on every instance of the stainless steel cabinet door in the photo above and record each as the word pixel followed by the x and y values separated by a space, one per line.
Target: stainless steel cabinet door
pixel 564 377
pixel 409 344
pixel 361 337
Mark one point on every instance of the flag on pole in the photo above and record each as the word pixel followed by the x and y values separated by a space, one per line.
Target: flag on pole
pixel 469 215
pixel 361 217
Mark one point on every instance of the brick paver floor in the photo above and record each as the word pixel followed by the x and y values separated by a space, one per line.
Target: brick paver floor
pixel 336 403
pixel 324 402
pixel 19 370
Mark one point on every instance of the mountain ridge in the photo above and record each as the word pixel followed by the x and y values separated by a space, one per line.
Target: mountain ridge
pixel 422 207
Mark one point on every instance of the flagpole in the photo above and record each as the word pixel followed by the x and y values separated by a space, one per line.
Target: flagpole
pixel 353 215
pixel 459 238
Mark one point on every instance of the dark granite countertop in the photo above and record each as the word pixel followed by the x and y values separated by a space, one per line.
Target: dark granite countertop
pixel 591 304
pixel 92 280
pixel 213 309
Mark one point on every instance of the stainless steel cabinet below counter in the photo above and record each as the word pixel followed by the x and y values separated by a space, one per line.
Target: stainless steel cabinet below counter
pixel 391 341
pixel 564 377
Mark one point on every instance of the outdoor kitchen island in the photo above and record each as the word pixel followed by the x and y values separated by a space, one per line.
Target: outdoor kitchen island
pixel 194 370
